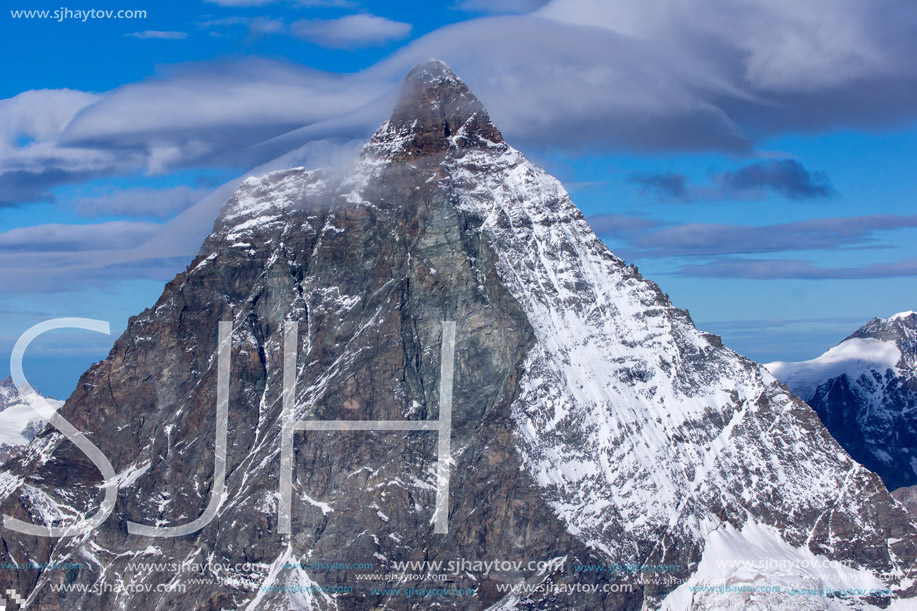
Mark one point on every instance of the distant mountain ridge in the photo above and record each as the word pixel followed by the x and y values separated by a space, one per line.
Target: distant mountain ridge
pixel 864 390
pixel 19 422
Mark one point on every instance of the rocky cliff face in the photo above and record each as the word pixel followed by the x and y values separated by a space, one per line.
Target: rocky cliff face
pixel 591 424
pixel 865 392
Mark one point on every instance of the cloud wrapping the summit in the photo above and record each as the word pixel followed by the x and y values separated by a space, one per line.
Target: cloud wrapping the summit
pixel 578 75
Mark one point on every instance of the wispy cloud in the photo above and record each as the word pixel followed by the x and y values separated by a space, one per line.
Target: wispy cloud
pixel 786 178
pixel 138 202
pixel 818 234
pixel 620 224
pixel 351 31
pixel 158 34
pixel 66 238
pixel 713 240
pixel 31 161
pixel 240 3
pixel 216 114
pixel 266 25
pixel 348 32
pixel 758 326
pixel 501 6
pixel 638 237
pixel 255 26
pixel 771 269
pixel 58 257
pixel 768 340
pixel 776 45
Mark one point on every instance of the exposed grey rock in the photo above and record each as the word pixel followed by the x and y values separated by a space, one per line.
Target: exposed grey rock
pixel 907 496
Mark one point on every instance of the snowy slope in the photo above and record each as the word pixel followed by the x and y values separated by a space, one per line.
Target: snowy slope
pixel 634 422
pixel 754 568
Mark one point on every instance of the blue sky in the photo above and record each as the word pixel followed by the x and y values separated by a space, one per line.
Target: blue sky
pixel 755 160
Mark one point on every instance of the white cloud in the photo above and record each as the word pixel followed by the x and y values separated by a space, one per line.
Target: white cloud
pixel 351 31
pixel 581 74
pixel 57 237
pixel 158 34
pixel 255 25
pixel 322 3
pixel 213 114
pixel 779 44
pixel 58 257
pixel 141 201
pixel 31 159
pixel 223 22
pixel 220 97
pixel 266 25
pixel 39 115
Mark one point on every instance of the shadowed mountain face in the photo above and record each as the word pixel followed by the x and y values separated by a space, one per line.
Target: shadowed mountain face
pixel 591 424
pixel 865 392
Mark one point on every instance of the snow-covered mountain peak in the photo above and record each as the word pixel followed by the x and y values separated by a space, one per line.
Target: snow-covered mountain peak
pixel 19 421
pixel 852 357
pixel 879 345
pixel 6 389
pixel 263 202
pixel 900 324
pixel 10 393
pixel 901 329
pixel 864 390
